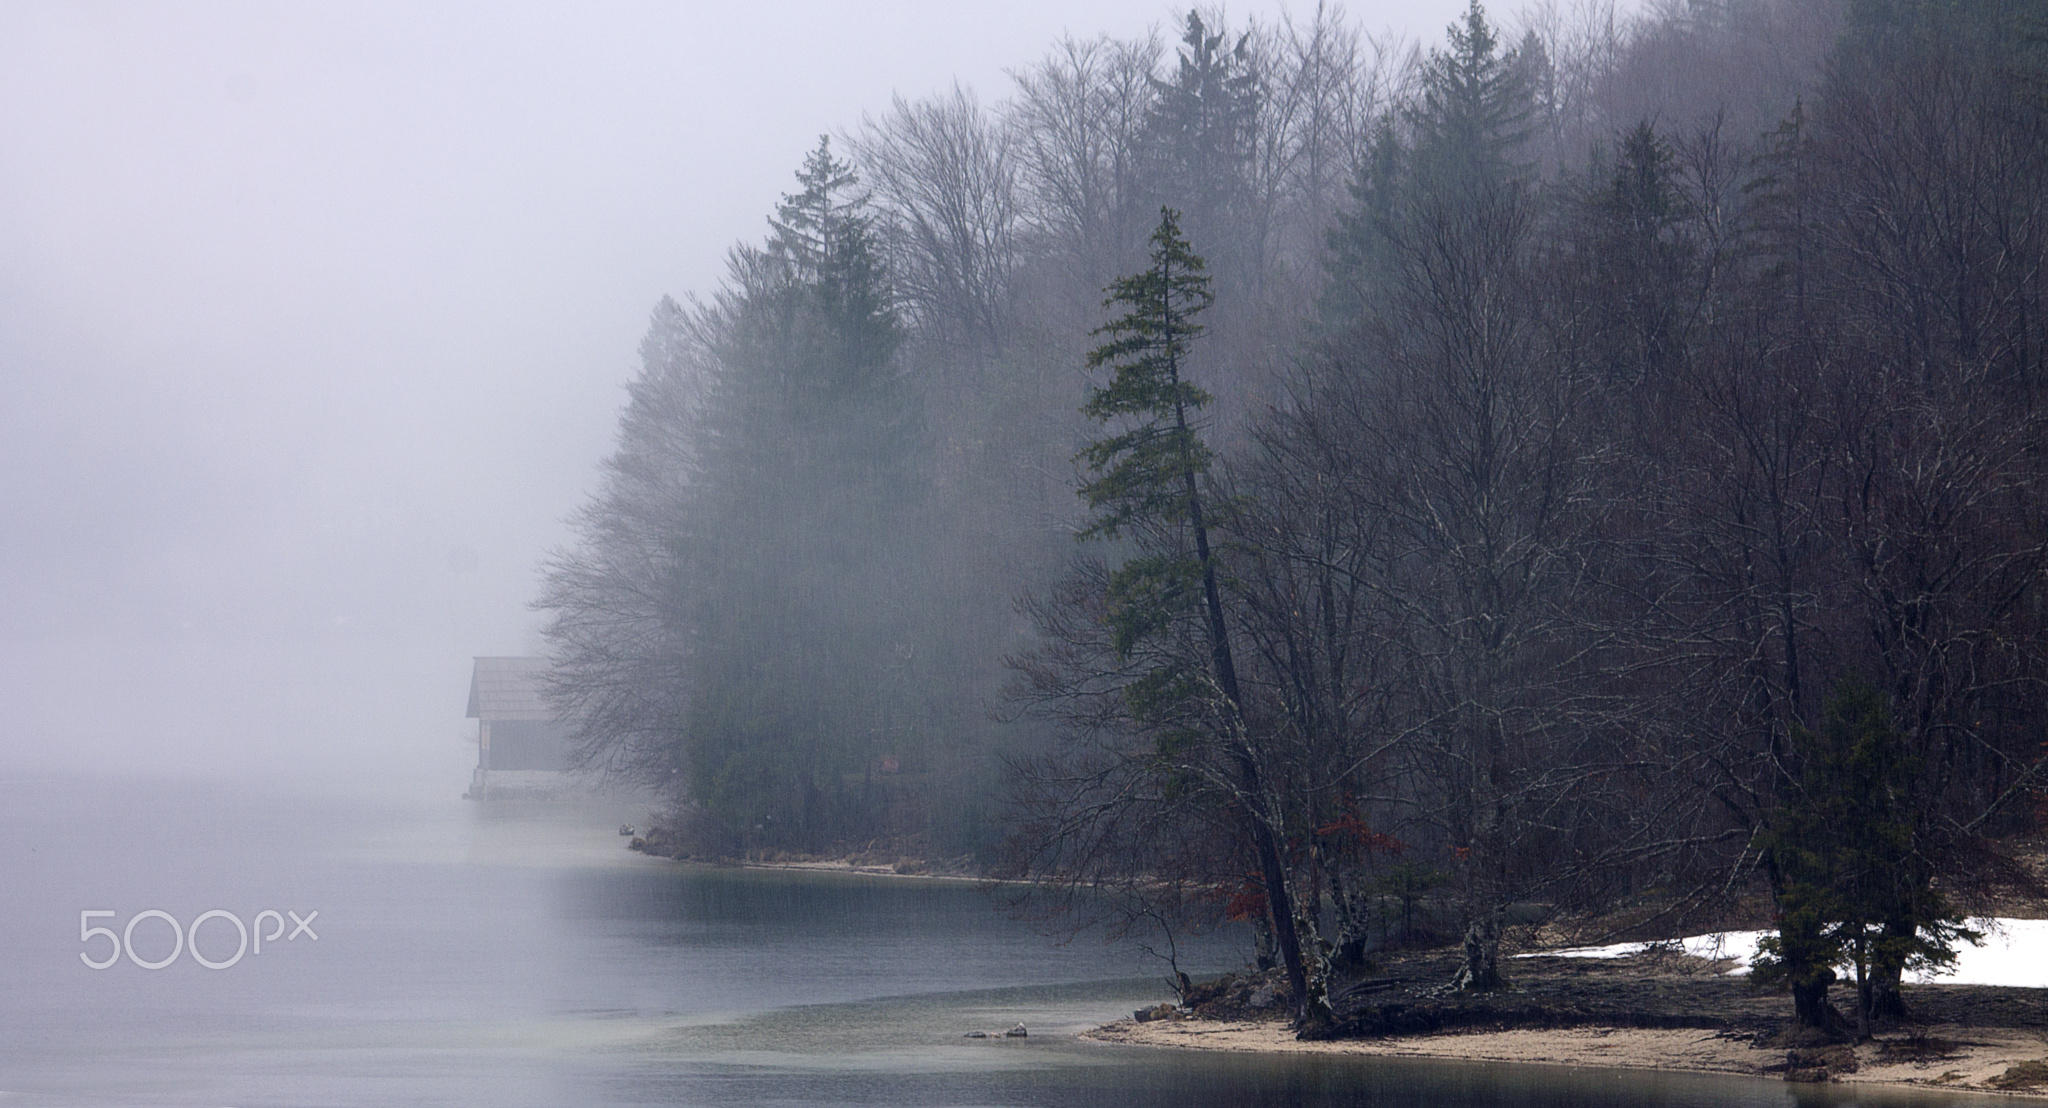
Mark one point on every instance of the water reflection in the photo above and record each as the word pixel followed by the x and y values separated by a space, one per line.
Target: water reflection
pixel 467 958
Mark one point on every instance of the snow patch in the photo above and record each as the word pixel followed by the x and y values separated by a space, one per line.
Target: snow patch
pixel 2012 952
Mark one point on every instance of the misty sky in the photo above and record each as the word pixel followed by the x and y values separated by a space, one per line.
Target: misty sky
pixel 314 322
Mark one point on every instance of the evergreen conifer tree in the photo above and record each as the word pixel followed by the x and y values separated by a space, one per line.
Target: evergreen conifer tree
pixel 1146 485
pixel 1843 866
pixel 799 536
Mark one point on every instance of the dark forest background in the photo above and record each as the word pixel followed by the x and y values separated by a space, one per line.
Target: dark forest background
pixel 1593 463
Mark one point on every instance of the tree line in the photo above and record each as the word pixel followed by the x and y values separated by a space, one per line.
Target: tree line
pixel 1597 469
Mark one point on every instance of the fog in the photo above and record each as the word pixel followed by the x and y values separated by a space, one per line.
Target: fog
pixel 315 324
pixel 1571 466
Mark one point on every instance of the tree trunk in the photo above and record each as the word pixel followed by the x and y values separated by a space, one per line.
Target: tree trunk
pixel 1864 983
pixel 1810 1007
pixel 1272 871
pixel 1481 971
pixel 1351 921
pixel 1886 1003
pixel 1264 956
pixel 1278 900
pixel 1314 1012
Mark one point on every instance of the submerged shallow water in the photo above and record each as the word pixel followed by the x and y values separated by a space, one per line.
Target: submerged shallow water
pixel 462 955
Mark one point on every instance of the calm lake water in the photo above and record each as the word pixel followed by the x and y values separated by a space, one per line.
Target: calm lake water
pixel 466 958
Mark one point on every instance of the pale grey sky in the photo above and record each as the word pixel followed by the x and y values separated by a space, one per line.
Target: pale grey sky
pixel 314 321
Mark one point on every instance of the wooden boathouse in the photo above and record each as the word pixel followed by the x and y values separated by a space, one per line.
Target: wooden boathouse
pixel 521 748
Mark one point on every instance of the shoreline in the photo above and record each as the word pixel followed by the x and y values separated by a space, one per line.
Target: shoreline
pixel 1950 1058
pixel 841 866
pixel 1956 1057
pixel 906 869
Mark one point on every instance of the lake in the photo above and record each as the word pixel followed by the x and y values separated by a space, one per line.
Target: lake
pixel 441 952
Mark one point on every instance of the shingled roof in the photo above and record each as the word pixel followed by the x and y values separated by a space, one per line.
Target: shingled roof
pixel 508 688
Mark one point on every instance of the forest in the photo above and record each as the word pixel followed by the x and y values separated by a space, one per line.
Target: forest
pixel 1375 490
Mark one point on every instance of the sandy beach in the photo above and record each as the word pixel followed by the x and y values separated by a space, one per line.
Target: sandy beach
pixel 1945 1057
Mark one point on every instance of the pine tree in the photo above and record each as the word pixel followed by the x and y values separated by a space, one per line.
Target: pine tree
pixel 1201 127
pixel 1636 262
pixel 1146 485
pixel 1358 261
pixel 1475 113
pixel 1843 863
pixel 800 534
pixel 1451 160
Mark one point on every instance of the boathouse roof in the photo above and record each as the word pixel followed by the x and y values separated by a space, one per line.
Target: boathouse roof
pixel 508 688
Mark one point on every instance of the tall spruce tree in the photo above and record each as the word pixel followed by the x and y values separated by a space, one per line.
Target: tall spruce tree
pixel 808 486
pixel 1474 116
pixel 1443 161
pixel 1636 264
pixel 1199 134
pixel 1146 485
